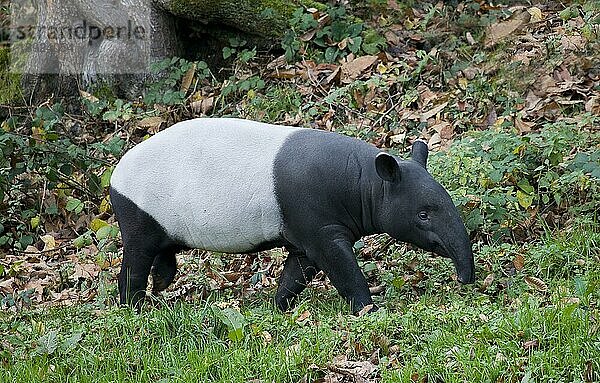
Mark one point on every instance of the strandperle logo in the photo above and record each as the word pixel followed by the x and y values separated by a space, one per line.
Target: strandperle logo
pixel 84 31
pixel 80 36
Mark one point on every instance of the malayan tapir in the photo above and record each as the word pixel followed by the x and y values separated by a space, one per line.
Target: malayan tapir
pixel 238 186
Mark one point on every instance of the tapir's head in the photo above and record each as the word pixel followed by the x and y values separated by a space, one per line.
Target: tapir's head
pixel 417 209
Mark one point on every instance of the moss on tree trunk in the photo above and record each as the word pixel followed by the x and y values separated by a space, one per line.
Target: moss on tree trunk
pixel 263 17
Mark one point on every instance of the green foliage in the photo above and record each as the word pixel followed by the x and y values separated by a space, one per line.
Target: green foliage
pixel 274 104
pixel 170 73
pixel 501 180
pixel 243 81
pixel 434 330
pixel 229 322
pixel 341 35
pixel 49 160
pixel 120 110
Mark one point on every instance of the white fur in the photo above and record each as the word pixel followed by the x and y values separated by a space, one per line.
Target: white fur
pixel 208 182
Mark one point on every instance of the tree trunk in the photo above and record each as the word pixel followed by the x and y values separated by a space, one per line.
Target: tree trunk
pixel 84 42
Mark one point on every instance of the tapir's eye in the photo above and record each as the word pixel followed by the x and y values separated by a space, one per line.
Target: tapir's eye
pixel 423 216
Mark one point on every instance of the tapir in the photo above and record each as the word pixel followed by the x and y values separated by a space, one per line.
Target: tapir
pixel 238 186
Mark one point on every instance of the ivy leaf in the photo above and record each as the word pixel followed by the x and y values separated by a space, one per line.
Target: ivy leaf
pixel 525 186
pixel 227 52
pixel 525 200
pixel 74 205
pixel 97 224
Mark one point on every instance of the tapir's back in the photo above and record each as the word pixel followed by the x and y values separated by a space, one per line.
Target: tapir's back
pixel 208 182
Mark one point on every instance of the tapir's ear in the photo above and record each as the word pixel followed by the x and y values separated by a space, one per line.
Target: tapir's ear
pixel 387 167
pixel 419 152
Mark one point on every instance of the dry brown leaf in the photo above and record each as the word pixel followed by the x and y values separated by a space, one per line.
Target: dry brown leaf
pixel 7 286
pixel 351 70
pixel 284 73
pixel 536 14
pixel 519 262
pixel 267 338
pixel 187 79
pixel 151 124
pixel 49 242
pixel 88 96
pixel 546 85
pixel 304 316
pixel 593 105
pixel 523 126
pixel 427 115
pixel 376 289
pixel 487 282
pixel 32 250
pixel 203 106
pixel 343 370
pixel 531 344
pixel 398 138
pixel 86 271
pixel 365 310
pixel 536 284
pixel 573 43
pixel 498 32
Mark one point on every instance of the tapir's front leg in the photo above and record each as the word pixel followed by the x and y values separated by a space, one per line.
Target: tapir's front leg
pixel 333 254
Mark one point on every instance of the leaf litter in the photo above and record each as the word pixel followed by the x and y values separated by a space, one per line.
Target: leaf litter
pixel 54 272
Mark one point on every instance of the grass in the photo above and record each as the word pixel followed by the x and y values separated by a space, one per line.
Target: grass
pixel 532 316
pixel 506 331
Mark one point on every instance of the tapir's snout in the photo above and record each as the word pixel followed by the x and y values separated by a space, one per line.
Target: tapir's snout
pixel 465 268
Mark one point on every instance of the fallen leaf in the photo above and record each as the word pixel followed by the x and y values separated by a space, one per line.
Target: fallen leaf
pixel 97 223
pixel 88 96
pixel 353 69
pixel 86 271
pixel 523 126
pixel 304 316
pixel 7 286
pixel 498 32
pixel 427 115
pixel 343 370
pixel 593 105
pixel 536 14
pixel 32 250
pixel 203 106
pixel 49 242
pixel 536 284
pixel 376 289
pixel 531 344
pixel 487 282
pixel 573 43
pixel 365 310
pixel 398 138
pixel 151 124
pixel 519 262
pixel 187 79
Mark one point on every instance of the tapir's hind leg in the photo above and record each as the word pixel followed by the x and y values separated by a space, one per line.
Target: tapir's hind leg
pixel 298 271
pixel 145 243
